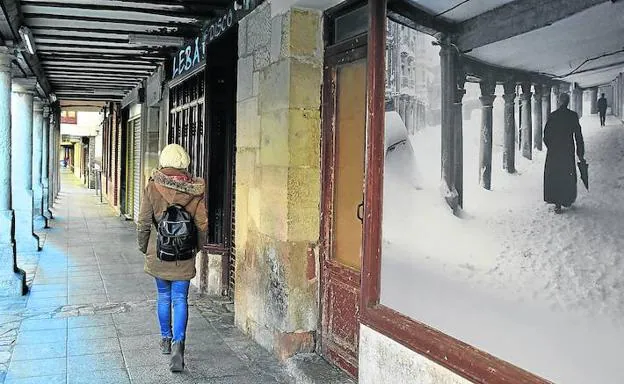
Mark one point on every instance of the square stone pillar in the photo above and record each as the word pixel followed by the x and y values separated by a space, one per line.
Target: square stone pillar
pixel 22 163
pixel 280 71
pixel 12 279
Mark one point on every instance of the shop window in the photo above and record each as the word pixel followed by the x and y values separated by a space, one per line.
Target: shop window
pixel 186 121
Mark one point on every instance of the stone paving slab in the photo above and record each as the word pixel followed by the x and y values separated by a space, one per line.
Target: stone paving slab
pixel 90 316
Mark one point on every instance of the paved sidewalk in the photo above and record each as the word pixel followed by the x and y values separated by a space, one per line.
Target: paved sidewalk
pixel 90 315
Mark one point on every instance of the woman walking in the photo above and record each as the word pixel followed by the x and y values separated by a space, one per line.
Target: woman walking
pixel 171 228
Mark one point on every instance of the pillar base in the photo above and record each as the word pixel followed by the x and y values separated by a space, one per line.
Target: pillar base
pixel 46 203
pixel 25 239
pixel 40 223
pixel 39 219
pixel 12 279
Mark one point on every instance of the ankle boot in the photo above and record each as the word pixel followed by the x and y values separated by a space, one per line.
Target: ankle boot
pixel 177 357
pixel 165 345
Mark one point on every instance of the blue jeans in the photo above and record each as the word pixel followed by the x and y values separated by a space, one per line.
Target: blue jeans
pixel 175 292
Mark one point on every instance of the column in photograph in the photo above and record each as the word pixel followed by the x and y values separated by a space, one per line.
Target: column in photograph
pixel 537 117
pixel 12 283
pixel 527 128
pixel 488 87
pixel 39 220
pixel 579 101
pixel 458 131
pixel 448 61
pixel 45 163
pixel 57 133
pixel 594 100
pixel 21 162
pixel 546 104
pixel 509 152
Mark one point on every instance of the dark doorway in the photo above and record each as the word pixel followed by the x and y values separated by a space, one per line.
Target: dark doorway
pixel 221 65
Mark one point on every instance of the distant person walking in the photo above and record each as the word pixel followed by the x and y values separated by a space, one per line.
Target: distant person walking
pixel 171 228
pixel 602 109
pixel 561 133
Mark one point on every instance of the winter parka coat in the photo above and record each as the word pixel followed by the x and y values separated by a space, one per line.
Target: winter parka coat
pixel 170 186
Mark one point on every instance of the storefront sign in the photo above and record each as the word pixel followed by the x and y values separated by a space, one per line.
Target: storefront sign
pixel 192 54
pixel 220 25
pixel 188 57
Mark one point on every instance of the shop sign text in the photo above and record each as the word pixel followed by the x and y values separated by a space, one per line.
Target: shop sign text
pixel 188 57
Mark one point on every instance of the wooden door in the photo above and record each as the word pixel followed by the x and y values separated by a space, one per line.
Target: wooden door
pixel 344 129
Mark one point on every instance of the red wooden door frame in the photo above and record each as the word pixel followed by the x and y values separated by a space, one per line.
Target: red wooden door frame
pixel 340 285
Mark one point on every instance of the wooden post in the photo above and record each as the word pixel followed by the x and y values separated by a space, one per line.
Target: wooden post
pixel 458 130
pixel 537 117
pixel 527 131
pixel 509 153
pixel 485 149
pixel 375 153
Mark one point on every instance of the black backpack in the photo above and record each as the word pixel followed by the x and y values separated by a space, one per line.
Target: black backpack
pixel 177 235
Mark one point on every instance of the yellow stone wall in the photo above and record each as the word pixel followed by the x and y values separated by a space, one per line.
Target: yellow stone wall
pixel 278 177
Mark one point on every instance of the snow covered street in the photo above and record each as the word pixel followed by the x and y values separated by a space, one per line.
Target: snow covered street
pixel 510 276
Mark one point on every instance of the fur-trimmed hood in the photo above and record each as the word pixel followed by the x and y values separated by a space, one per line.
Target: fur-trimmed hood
pixel 177 186
pixel 181 183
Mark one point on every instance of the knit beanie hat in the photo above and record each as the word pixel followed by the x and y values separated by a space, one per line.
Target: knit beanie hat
pixel 174 156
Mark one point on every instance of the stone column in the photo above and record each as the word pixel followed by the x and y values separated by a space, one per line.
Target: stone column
pixel 39 220
pixel 557 91
pixel 21 163
pixel 45 163
pixel 594 100
pixel 509 153
pixel 458 131
pixel 12 279
pixel 485 148
pixel 448 61
pixel 527 129
pixel 546 104
pixel 579 101
pixel 537 117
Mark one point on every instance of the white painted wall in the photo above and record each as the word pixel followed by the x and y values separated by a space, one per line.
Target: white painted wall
pixel 383 360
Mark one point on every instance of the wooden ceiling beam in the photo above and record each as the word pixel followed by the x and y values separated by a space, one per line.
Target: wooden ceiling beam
pixel 94 19
pixel 41 37
pixel 177 33
pixel 154 60
pixel 89 71
pixel 79 76
pixel 102 6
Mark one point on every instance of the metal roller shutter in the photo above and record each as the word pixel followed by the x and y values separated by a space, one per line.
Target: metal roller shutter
pixel 137 167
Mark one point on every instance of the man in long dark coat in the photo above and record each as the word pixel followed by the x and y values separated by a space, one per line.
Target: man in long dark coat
pixel 602 109
pixel 561 133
